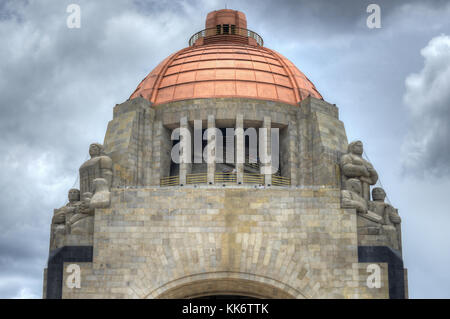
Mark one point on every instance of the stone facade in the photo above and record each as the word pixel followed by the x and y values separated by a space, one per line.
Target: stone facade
pixel 313 139
pixel 297 240
pixel 191 240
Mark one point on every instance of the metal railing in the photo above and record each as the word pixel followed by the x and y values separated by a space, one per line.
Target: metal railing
pixel 253 178
pixel 200 178
pixel 170 181
pixel 232 31
pixel 225 178
pixel 280 180
pixel 252 165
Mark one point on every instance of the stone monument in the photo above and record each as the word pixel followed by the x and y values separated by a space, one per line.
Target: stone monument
pixel 148 226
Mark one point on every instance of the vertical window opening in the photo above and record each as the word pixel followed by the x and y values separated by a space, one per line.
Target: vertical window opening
pixel 226 29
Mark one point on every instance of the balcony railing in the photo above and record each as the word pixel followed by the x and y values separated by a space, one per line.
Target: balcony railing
pixel 170 181
pixel 231 31
pixel 220 178
pixel 280 181
pixel 196 178
pixel 253 179
pixel 225 178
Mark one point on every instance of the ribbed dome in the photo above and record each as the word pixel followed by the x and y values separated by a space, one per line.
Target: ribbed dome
pixel 226 65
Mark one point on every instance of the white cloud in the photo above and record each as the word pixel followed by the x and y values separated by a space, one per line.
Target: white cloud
pixel 427 98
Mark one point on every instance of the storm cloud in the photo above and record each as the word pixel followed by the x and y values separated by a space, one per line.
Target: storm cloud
pixel 58 87
pixel 57 90
pixel 427 98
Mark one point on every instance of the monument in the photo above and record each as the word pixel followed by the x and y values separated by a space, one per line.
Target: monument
pixel 305 224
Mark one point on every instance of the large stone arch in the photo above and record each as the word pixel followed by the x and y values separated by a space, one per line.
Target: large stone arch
pixel 225 283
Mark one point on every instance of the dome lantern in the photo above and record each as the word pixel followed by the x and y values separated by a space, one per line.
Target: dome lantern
pixel 226 60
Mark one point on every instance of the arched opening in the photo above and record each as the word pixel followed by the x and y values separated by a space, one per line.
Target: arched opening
pixel 225 288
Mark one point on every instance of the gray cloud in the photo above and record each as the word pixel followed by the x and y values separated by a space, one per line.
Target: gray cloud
pixel 427 98
pixel 57 90
pixel 58 87
pixel 306 20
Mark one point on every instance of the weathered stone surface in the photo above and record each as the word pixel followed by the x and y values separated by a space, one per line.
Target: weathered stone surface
pixel 289 243
pixel 128 142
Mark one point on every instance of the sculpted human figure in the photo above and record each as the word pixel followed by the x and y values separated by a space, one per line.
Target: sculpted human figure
pixel 61 216
pixel 102 195
pixel 351 196
pixel 354 166
pixel 82 221
pixel 390 218
pixel 99 166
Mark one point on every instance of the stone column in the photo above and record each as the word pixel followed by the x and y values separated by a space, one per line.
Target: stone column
pixel 162 147
pixel 240 148
pixel 293 153
pixel 147 148
pixel 185 149
pixel 265 152
pixel 211 153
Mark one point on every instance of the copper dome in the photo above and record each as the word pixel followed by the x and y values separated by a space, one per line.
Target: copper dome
pixel 226 61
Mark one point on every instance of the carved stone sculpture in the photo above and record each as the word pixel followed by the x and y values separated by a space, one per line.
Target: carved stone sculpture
pixel 99 166
pixel 390 218
pixel 351 196
pixel 102 195
pixel 77 217
pixel 61 216
pixel 82 222
pixel 354 166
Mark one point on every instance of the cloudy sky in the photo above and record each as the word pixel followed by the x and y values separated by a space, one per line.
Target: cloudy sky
pixel 58 87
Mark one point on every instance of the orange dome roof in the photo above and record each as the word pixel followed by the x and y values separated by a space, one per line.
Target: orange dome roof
pixel 226 65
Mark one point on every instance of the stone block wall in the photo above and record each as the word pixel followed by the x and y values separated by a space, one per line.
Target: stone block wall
pixel 322 140
pixel 275 242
